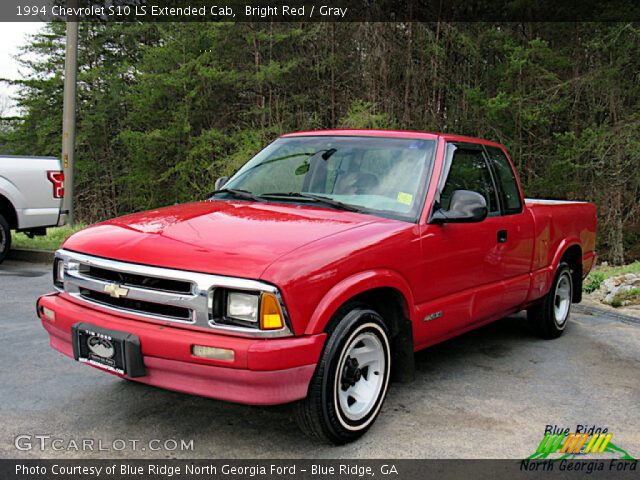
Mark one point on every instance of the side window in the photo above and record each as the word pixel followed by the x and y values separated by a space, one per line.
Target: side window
pixel 469 171
pixel 507 180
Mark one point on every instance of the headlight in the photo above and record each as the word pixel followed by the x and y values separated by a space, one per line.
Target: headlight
pixel 243 306
pixel 256 310
pixel 58 273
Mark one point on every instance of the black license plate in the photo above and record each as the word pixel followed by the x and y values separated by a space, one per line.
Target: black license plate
pixel 116 351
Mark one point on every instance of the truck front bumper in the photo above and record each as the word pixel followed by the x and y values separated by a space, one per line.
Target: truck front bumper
pixel 262 372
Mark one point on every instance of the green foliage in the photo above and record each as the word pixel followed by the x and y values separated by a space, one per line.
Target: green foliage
pixel 363 115
pixel 593 282
pixel 51 241
pixel 164 109
pixel 614 271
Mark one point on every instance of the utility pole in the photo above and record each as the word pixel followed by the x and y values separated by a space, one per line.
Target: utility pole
pixel 69 114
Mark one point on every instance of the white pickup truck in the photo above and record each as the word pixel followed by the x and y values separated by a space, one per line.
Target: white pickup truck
pixel 31 192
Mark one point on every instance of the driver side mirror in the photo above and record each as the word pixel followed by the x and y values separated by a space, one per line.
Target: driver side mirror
pixel 220 182
pixel 465 207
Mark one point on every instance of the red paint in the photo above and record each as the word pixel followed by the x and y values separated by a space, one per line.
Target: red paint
pixel 175 343
pixel 262 373
pixel 320 258
pixel 235 238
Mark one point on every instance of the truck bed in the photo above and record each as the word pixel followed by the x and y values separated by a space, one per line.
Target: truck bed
pixel 558 223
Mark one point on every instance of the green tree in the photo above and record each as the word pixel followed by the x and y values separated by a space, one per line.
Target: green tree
pixel 165 108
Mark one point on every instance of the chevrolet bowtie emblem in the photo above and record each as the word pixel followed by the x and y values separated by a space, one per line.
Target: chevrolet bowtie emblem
pixel 115 290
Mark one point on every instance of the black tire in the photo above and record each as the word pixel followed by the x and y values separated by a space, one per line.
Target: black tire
pixel 5 238
pixel 321 414
pixel 550 316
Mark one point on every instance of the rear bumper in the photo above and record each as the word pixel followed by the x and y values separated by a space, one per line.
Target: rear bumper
pixel 29 218
pixel 263 372
pixel 62 218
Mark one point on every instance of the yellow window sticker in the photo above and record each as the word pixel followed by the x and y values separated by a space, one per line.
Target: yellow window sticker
pixel 405 198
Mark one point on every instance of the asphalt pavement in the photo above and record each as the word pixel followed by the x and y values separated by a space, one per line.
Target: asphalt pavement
pixel 486 394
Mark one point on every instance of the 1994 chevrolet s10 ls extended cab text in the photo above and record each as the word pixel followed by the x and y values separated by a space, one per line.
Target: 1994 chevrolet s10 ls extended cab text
pixel 315 272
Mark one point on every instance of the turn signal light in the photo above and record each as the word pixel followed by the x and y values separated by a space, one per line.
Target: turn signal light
pixel 47 312
pixel 270 313
pixel 212 352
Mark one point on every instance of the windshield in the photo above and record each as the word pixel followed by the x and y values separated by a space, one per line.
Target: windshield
pixel 383 176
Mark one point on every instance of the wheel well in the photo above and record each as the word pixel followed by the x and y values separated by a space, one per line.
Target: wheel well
pixel 393 308
pixel 8 212
pixel 573 257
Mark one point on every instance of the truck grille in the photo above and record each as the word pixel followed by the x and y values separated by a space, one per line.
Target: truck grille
pixel 151 293
pixel 154 294
pixel 151 283
pixel 137 306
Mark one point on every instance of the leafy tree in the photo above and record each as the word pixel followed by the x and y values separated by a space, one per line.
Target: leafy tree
pixel 165 108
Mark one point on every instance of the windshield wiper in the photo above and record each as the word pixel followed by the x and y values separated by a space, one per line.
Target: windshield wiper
pixel 316 198
pixel 234 192
pixel 246 195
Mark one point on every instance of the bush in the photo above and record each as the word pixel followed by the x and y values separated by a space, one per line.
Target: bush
pixel 593 282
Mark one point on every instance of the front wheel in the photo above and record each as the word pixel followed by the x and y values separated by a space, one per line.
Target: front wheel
pixel 5 238
pixel 351 379
pixel 550 316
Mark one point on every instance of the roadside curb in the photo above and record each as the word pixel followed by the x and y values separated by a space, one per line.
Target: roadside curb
pixel 590 310
pixel 33 256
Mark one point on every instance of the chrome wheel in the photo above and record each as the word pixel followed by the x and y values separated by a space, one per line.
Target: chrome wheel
pixel 549 316
pixel 360 375
pixel 562 299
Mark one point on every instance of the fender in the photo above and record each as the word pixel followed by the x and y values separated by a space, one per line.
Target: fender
pixel 563 246
pixel 352 286
pixel 9 191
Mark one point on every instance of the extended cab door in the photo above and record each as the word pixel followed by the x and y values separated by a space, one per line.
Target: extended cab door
pixel 460 262
pixel 516 231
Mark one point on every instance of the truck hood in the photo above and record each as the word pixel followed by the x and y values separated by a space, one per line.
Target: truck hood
pixel 232 238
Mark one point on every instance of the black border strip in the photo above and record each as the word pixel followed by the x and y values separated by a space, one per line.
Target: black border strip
pixel 323 11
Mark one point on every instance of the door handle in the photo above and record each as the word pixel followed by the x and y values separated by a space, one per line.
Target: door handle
pixel 502 236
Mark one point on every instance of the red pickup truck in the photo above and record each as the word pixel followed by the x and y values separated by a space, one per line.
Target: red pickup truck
pixel 317 270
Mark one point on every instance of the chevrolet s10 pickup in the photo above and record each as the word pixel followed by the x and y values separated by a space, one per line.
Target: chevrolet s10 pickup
pixel 315 272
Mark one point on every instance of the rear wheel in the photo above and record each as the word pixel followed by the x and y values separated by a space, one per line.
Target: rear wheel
pixel 5 238
pixel 351 379
pixel 549 317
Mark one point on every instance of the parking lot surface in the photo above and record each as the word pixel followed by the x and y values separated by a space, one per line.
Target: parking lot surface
pixel 487 394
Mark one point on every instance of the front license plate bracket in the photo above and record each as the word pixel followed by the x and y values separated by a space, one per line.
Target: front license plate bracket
pixel 116 351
